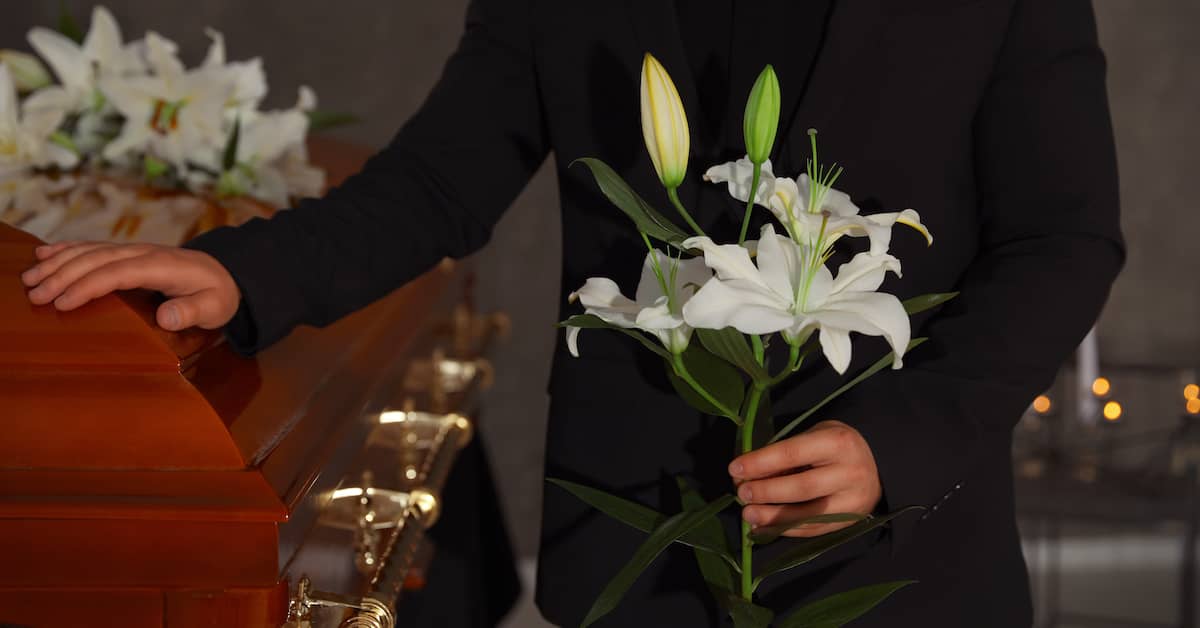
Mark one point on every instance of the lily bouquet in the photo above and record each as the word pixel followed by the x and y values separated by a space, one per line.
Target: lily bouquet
pixel 133 111
pixel 710 310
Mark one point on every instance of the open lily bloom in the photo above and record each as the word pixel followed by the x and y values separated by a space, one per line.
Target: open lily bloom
pixel 666 286
pixel 25 136
pixel 832 214
pixel 175 115
pixel 79 67
pixel 792 291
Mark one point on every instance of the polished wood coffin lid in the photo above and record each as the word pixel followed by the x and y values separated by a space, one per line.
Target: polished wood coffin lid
pixel 103 415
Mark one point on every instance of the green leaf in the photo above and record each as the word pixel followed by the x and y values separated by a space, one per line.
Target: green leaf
pixel 67 24
pixel 324 120
pixel 717 572
pixel 842 608
pixel 730 345
pixel 766 534
pixel 885 361
pixel 745 614
pixel 715 375
pixel 591 321
pixel 229 159
pixel 639 517
pixel 927 301
pixel 809 549
pixel 647 219
pixel 662 537
pixel 154 167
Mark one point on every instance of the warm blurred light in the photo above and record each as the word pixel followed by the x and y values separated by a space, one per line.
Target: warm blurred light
pixel 1101 386
pixel 1191 392
pixel 1041 404
pixel 1112 411
pixel 1193 406
pixel 393 416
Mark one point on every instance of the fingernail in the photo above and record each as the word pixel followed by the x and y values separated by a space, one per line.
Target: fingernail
pixel 41 248
pixel 745 494
pixel 735 469
pixel 749 516
pixel 36 293
pixel 61 302
pixel 171 316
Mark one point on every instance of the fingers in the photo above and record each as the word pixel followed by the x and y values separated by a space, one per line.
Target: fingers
pixel 50 265
pixel 77 265
pixel 142 271
pixel 808 485
pixel 203 309
pixel 813 447
pixel 47 250
pixel 770 516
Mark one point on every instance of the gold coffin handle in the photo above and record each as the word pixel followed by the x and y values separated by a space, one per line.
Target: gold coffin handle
pixel 376 609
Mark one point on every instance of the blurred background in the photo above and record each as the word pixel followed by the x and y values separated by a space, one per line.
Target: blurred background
pixel 1107 507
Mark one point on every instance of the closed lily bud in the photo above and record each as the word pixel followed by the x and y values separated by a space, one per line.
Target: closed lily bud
pixel 762 116
pixel 664 124
pixel 27 72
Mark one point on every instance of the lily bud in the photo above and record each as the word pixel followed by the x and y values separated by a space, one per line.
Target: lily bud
pixel 27 72
pixel 664 124
pixel 761 120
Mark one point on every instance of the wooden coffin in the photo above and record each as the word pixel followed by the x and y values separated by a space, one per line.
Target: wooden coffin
pixel 157 479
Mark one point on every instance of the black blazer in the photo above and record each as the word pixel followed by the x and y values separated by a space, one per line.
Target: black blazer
pixel 987 116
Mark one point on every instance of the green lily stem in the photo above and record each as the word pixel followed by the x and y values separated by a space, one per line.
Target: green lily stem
pixel 674 196
pixel 793 363
pixel 750 202
pixel 682 372
pixel 747 432
pixel 759 352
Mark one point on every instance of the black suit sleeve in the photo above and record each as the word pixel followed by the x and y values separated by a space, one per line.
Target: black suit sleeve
pixel 1049 250
pixel 436 190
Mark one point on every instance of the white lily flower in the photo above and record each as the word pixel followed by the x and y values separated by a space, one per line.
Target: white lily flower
pixel 792 291
pixel 832 216
pixel 666 286
pixel 25 136
pixel 247 77
pixel 272 162
pixel 79 67
pixel 175 115
pixel 26 70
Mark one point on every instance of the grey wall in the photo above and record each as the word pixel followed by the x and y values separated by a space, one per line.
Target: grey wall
pixel 378 59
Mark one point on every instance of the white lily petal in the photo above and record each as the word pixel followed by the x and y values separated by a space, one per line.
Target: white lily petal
pixel 649 289
pixel 746 306
pixel 64 56
pixel 864 272
pixel 573 340
pixel 835 344
pixel 9 112
pixel 908 218
pixel 739 175
pixel 781 263
pixel 728 261
pixel 103 42
pixel 307 100
pixel 836 202
pixel 881 315
pixel 161 55
pixel 215 57
pixel 658 316
pixel 601 297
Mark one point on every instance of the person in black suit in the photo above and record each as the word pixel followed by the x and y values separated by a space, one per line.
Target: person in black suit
pixel 987 116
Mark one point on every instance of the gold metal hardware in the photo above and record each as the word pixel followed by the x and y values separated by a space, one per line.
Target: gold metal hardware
pixel 369 612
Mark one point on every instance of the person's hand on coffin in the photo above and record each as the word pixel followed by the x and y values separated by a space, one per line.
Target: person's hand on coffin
pixel 199 291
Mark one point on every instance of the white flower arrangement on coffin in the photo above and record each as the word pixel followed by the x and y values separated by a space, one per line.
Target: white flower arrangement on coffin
pixel 711 310
pixel 193 143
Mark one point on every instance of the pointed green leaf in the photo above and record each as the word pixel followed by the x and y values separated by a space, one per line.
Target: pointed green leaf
pixel 591 321
pixel 639 517
pixel 716 376
pixel 927 301
pixel 745 614
pixel 809 549
pixel 647 219
pixel 730 345
pixel 766 534
pixel 324 120
pixel 716 571
pixel 662 537
pixel 885 361
pixel 842 608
